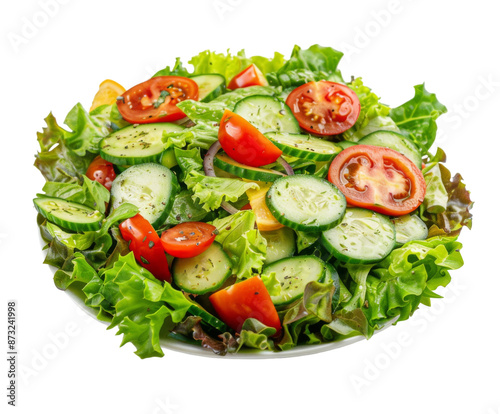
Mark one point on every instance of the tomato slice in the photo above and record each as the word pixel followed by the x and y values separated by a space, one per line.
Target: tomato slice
pixel 379 179
pixel 247 299
pixel 156 99
pixel 245 143
pixel 251 76
pixel 188 239
pixel 146 246
pixel 101 171
pixel 108 91
pixel 324 107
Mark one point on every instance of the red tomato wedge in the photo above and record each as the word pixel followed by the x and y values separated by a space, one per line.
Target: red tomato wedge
pixel 324 108
pixel 379 179
pixel 247 299
pixel 101 171
pixel 251 76
pixel 156 99
pixel 188 239
pixel 146 246
pixel 245 143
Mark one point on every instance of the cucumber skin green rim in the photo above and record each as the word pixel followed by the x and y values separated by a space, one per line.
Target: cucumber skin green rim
pixel 78 227
pixel 217 91
pixel 296 226
pixel 291 116
pixel 128 160
pixel 297 297
pixel 246 173
pixel 210 289
pixel 347 259
pixel 300 153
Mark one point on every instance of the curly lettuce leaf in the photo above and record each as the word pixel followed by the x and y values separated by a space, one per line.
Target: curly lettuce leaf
pixel 138 302
pixel 242 242
pixel 409 275
pixel 212 191
pixel 371 109
pixel 447 204
pixel 230 65
pixel 416 118
pixel 305 65
pixel 91 193
pixel 65 155
pixel 177 70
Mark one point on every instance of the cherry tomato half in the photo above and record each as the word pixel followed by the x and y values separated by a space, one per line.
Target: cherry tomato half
pixel 324 108
pixel 156 99
pixel 247 299
pixel 251 76
pixel 101 171
pixel 245 143
pixel 146 246
pixel 188 239
pixel 379 179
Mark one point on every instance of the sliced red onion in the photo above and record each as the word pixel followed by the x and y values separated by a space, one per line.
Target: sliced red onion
pixel 208 161
pixel 229 208
pixel 286 166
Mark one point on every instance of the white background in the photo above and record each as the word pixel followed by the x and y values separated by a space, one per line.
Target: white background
pixel 444 360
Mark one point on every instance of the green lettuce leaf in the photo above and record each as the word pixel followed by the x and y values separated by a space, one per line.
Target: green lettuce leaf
pixel 242 242
pixel 230 65
pixel 305 65
pixel 417 118
pixel 177 70
pixel 91 193
pixel 371 109
pixel 212 191
pixel 396 285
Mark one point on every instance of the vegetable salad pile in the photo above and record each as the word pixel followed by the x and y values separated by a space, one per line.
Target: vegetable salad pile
pixel 250 203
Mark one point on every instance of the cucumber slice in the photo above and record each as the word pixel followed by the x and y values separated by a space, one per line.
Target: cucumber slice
pixel 363 236
pixel 304 146
pixel 294 274
pixel 210 86
pixel 226 163
pixel 204 273
pixel 267 113
pixel 280 244
pixel 71 216
pixel 136 144
pixel 409 227
pixel 345 144
pixel 395 141
pixel 150 187
pixel 306 203
pixel 197 310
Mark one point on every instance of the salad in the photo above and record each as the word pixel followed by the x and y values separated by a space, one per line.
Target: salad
pixel 250 203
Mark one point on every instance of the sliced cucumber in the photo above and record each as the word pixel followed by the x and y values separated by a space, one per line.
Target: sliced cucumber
pixel 267 113
pixel 150 187
pixel 304 146
pixel 395 141
pixel 197 310
pixel 71 216
pixel 280 244
pixel 363 236
pixel 226 163
pixel 345 144
pixel 409 227
pixel 204 273
pixel 294 273
pixel 210 86
pixel 136 144
pixel 306 203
